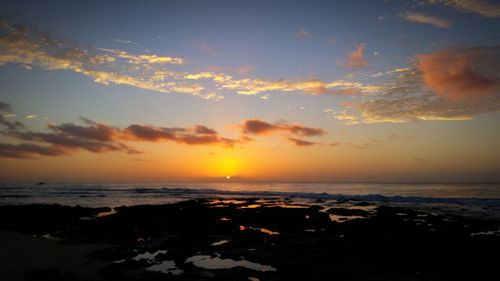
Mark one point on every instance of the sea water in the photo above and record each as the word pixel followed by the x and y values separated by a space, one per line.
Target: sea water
pixel 473 198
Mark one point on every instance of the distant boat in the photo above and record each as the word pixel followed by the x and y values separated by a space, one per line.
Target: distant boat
pixel 40 183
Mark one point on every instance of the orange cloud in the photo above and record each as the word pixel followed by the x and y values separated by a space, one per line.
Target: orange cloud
pixel 355 59
pixel 301 33
pixel 480 7
pixel 207 48
pixel 25 150
pixel 69 143
pixel 456 84
pixel 259 127
pixel 426 19
pixel 66 138
pixel 95 137
pixel 197 135
pixel 245 69
pixel 452 75
pixel 95 131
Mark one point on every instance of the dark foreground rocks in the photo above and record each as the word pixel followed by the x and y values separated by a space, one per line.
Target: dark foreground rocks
pixel 244 240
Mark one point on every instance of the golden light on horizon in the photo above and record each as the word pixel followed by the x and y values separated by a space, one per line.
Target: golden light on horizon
pixel 224 166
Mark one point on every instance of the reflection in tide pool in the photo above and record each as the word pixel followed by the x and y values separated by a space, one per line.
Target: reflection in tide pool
pixel 491 232
pixel 150 257
pixel 167 267
pixel 105 214
pixel 263 230
pixel 208 262
pixel 339 218
pixel 218 243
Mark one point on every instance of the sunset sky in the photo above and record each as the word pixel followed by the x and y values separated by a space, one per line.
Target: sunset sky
pixel 122 91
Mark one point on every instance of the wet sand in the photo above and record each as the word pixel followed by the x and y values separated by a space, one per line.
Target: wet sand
pixel 247 239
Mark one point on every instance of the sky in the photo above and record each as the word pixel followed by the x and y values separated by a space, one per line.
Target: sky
pixel 322 91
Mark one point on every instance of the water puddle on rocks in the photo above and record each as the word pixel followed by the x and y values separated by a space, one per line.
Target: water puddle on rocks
pixel 208 262
pixel 50 237
pixel 227 201
pixel 490 232
pixel 150 257
pixel 263 230
pixel 167 267
pixel 251 206
pixel 105 214
pixel 339 218
pixel 218 243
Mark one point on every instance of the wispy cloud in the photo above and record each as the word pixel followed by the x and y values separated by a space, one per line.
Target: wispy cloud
pixel 480 7
pixel 212 96
pixel 426 19
pixel 207 48
pixel 310 87
pixel 31 47
pixel 123 41
pixel 356 58
pixel 216 77
pixel 141 59
pixel 245 69
pixel 5 112
pixel 390 72
pixel 301 33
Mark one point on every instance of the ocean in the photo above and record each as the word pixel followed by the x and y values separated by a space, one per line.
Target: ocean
pixel 470 199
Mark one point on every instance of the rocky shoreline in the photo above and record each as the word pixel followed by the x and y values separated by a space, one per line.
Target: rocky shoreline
pixel 245 239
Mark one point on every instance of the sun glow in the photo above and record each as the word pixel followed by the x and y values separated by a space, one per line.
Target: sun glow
pixel 225 167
